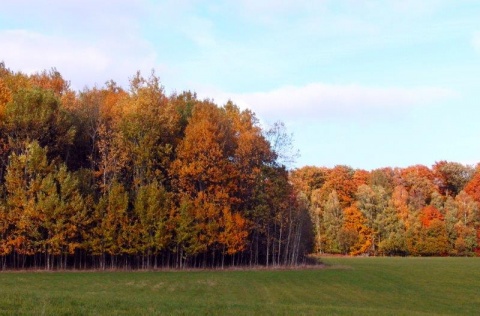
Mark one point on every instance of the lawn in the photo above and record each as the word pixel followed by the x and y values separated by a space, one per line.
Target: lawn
pixel 351 286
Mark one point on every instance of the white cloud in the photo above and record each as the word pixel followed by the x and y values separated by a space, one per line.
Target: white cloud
pixel 319 100
pixel 33 52
pixel 88 42
pixel 83 62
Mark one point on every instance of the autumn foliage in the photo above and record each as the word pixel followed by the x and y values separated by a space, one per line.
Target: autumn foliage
pixel 403 211
pixel 114 178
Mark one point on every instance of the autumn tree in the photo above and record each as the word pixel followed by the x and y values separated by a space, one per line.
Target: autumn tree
pixel 36 115
pixel 24 211
pixel 371 202
pixel 451 177
pixel 472 188
pixel 206 173
pixel 383 177
pixel 51 80
pixel 308 179
pixel 461 219
pixel 391 232
pixel 43 207
pixel 112 233
pixel 152 208
pixel 340 179
pixel 355 236
pixel 147 129
pixel 429 235
pixel 419 182
pixel 332 223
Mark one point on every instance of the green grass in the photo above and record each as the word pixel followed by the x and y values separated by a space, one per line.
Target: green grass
pixel 348 286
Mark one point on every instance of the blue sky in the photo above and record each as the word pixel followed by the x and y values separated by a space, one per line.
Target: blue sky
pixel 361 82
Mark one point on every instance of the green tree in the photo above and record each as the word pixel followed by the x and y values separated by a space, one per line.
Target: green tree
pixel 391 233
pixel 372 201
pixel 36 115
pixel 148 127
pixel 452 176
pixel 332 222
pixel 64 215
pixel 111 233
pixel 153 206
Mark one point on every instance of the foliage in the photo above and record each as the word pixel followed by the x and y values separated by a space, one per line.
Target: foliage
pixel 109 177
pixel 411 211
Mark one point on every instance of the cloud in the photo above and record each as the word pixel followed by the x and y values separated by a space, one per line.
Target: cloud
pixel 318 101
pixel 88 42
pixel 81 61
pixel 34 51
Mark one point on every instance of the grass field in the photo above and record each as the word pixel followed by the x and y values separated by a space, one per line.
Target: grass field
pixel 351 286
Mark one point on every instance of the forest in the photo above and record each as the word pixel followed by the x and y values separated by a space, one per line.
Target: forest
pixel 416 211
pixel 108 177
pixel 114 178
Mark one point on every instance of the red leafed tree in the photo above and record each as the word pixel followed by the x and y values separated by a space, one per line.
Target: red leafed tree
pixel 473 187
pixel 428 214
pixel 341 180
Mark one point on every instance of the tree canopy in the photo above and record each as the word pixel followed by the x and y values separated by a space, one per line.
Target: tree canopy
pixel 111 177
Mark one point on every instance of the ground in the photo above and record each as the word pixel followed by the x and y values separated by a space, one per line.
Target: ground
pixel 359 286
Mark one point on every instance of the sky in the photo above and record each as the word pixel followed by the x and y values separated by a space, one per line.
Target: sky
pixel 363 83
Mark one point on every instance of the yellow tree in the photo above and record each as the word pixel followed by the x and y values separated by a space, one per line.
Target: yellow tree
pixel 152 207
pixel 23 183
pixel 99 143
pixel 399 200
pixel 44 209
pixel 36 115
pixel 419 181
pixel 149 126
pixel 340 179
pixel 332 223
pixel 112 234
pixel 372 201
pixel 355 235
pixel 461 220
pixel 251 152
pixel 206 173
pixel 64 216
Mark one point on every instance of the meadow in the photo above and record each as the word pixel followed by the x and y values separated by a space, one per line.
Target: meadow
pixel 344 286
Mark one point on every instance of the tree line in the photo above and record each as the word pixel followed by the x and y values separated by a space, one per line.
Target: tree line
pixel 132 178
pixel 417 210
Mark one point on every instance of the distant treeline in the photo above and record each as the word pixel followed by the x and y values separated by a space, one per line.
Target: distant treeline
pixel 416 211
pixel 114 178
